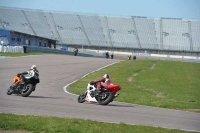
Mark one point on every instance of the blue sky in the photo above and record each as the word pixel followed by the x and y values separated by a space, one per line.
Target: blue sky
pixel 186 9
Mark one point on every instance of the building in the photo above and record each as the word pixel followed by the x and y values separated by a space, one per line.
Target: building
pixel 10 37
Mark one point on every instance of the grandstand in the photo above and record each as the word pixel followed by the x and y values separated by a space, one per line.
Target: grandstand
pixel 103 31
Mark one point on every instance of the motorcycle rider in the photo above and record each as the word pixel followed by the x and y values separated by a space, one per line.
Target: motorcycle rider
pixel 21 75
pixel 33 67
pixel 103 82
pixel 129 57
pixel 75 51
pixel 107 54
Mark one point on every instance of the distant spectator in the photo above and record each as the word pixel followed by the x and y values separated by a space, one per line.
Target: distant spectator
pixel 129 57
pixel 107 54
pixel 134 57
pixel 103 54
pixel 75 51
pixel 112 56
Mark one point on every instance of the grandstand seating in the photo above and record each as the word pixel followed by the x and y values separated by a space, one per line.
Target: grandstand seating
pixel 70 29
pixel 14 20
pixel 1 24
pixel 52 25
pixel 158 33
pixel 104 27
pixel 39 23
pixel 105 31
pixel 93 30
pixel 122 32
pixel 195 35
pixel 146 33
pixel 176 38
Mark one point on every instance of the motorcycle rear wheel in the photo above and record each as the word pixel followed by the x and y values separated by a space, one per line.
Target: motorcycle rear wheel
pixel 105 98
pixel 81 98
pixel 27 90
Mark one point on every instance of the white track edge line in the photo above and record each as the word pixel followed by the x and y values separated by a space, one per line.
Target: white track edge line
pixel 65 87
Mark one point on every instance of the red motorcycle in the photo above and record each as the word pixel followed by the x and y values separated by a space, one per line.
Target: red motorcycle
pixel 104 97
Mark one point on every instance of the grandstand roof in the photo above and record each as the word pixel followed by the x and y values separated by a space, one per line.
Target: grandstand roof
pixel 39 10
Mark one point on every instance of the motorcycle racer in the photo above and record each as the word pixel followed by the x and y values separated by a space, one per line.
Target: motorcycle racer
pixel 25 82
pixel 103 82
pixel 19 78
pixel 101 91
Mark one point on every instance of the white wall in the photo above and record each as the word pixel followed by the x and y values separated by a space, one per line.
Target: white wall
pixel 12 49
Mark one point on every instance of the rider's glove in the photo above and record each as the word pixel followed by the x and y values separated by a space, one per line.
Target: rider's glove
pixel 103 80
pixel 91 82
pixel 18 74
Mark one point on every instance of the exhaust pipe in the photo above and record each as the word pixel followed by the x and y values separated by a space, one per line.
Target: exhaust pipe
pixel 116 95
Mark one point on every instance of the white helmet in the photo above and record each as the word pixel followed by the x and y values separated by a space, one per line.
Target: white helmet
pixel 33 67
pixel 106 76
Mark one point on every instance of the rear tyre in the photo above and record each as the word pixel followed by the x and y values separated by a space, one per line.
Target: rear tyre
pixel 9 91
pixel 105 98
pixel 81 98
pixel 27 90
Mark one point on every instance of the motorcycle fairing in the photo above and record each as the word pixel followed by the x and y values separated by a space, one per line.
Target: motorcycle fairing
pixel 89 98
pixel 112 88
pixel 30 74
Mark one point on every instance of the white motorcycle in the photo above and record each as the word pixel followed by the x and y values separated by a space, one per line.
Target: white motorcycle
pixel 104 97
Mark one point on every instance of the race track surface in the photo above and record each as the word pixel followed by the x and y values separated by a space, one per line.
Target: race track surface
pixel 49 99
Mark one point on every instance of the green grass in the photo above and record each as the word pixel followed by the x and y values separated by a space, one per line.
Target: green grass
pixel 170 84
pixel 38 124
pixel 20 54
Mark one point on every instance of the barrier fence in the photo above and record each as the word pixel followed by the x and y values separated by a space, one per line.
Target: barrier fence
pixel 25 49
pixel 12 49
pixel 82 52
pixel 57 51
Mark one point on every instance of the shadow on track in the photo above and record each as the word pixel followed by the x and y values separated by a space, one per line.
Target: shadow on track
pixel 115 105
pixel 44 97
pixel 110 105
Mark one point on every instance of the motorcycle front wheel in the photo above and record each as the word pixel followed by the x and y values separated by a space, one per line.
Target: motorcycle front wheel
pixel 9 91
pixel 26 91
pixel 81 98
pixel 105 98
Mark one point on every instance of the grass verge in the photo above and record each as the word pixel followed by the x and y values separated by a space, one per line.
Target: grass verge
pixel 38 124
pixel 20 54
pixel 168 84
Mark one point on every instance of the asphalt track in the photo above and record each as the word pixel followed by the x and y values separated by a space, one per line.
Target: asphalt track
pixel 49 99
